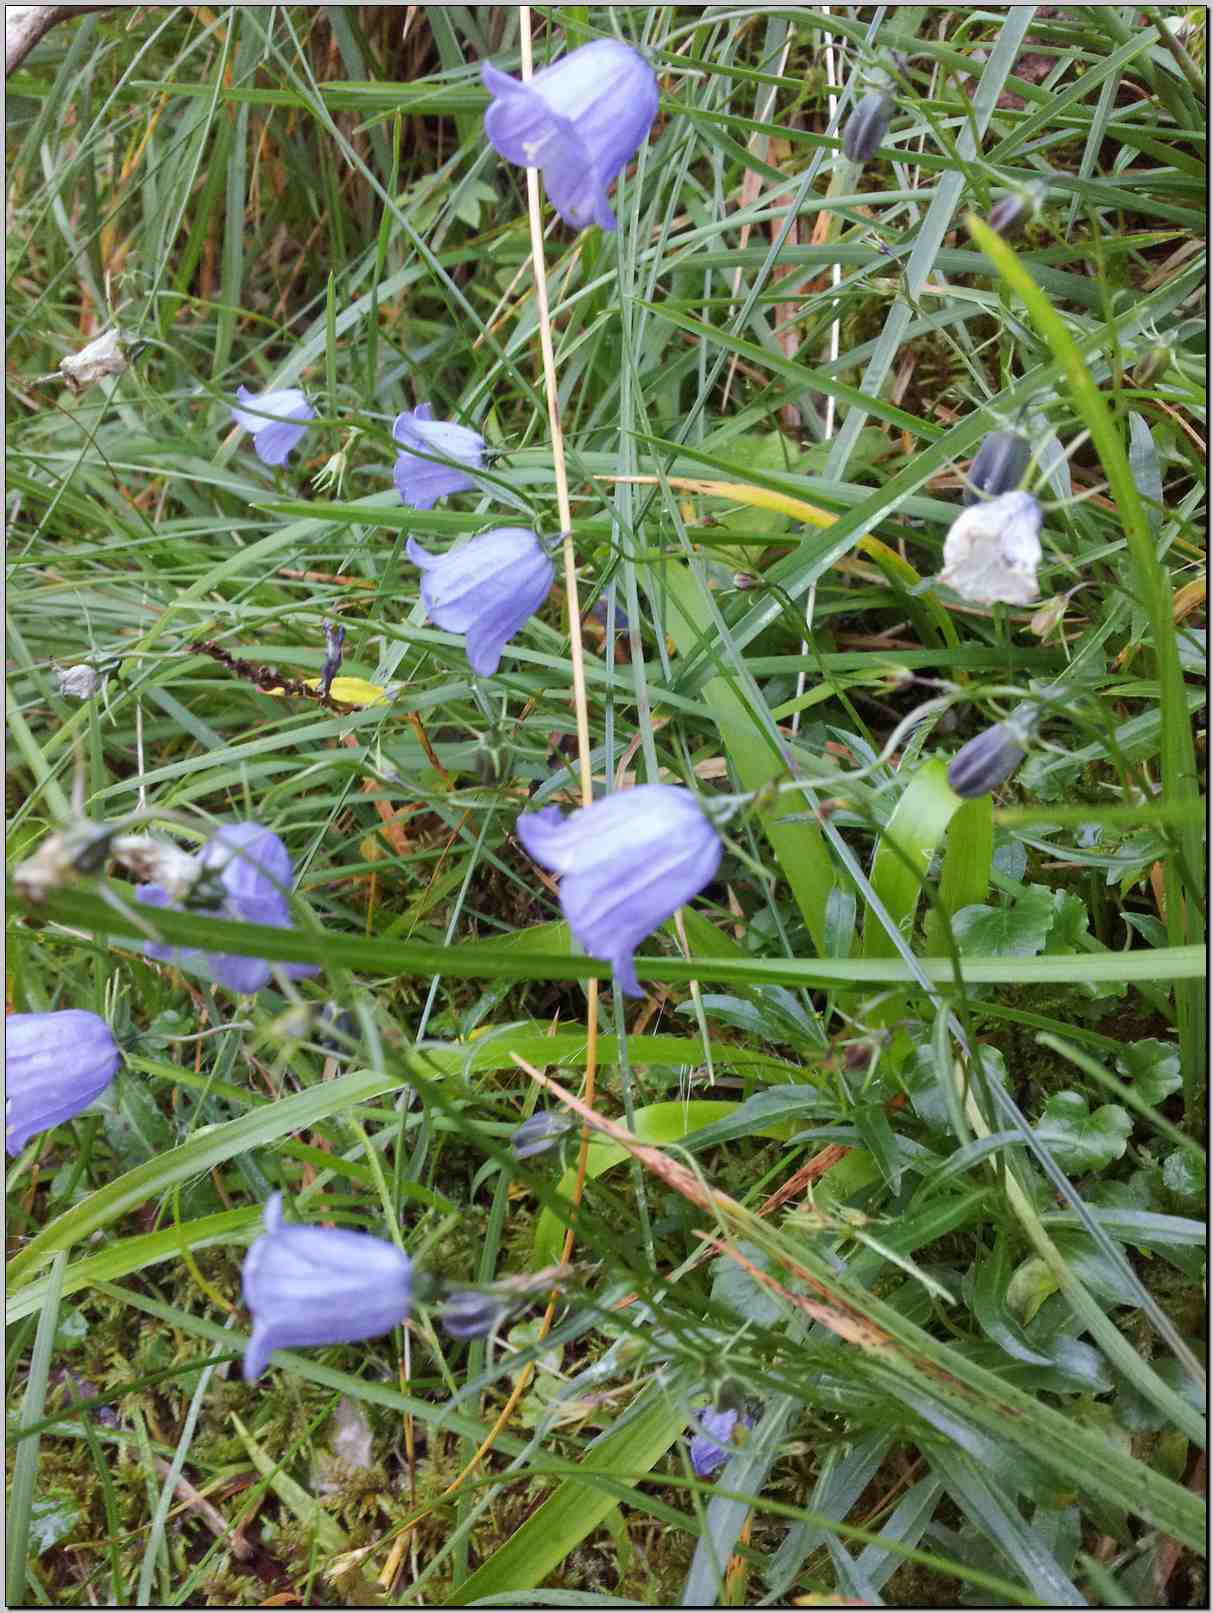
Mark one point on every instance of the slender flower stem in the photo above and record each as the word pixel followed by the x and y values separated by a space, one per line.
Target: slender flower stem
pixel 581 704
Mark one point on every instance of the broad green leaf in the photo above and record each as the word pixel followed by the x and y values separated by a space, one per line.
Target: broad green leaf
pixel 1016 931
pixel 1080 1140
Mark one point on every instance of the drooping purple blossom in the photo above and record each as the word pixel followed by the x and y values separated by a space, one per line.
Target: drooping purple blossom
pixel 251 870
pixel 54 1066
pixel 628 862
pixel 867 126
pixel 713 1445
pixel 272 420
pixel 419 477
pixel 580 121
pixel 993 756
pixel 485 589
pixel 541 1132
pixel 319 1285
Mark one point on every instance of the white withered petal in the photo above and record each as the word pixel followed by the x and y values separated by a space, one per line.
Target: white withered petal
pixel 993 549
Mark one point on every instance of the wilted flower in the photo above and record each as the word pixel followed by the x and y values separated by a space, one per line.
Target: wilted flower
pixel 270 419
pixel 580 121
pixel 866 127
pixel 628 861
pixel 993 549
pixel 713 1445
pixel 470 1315
pixel 541 1132
pixel 334 649
pixel 251 874
pixel 54 1066
pixel 319 1285
pixel 485 589
pixel 77 682
pixel 998 466
pixel 418 476
pixel 989 759
pixel 107 355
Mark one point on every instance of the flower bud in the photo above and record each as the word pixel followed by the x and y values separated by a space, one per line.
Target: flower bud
pixel 866 127
pixel 998 466
pixel 1014 210
pixel 1152 365
pixel 992 757
pixel 470 1315
pixel 541 1132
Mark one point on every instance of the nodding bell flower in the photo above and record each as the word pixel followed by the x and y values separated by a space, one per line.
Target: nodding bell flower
pixel 54 1066
pixel 319 1285
pixel 246 872
pixel 713 1445
pixel 272 420
pixel 541 1132
pixel 997 467
pixel 420 479
pixel 470 1315
pixel 580 121
pixel 993 549
pixel 485 589
pixel 992 757
pixel 866 127
pixel 628 861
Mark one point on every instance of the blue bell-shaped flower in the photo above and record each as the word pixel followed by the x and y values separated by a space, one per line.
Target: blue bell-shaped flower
pixel 54 1066
pixel 272 420
pixel 580 121
pixel 421 480
pixel 485 589
pixel 253 872
pixel 319 1285
pixel 628 862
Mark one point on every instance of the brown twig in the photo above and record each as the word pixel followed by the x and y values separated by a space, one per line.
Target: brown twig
pixel 24 26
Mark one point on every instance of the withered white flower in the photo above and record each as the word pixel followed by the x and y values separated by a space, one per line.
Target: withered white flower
pixel 993 549
pixel 77 682
pixel 105 356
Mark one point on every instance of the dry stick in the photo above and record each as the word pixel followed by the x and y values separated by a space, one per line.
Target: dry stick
pixel 583 749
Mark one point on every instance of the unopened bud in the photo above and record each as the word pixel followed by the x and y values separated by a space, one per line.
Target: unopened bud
pixel 866 127
pixel 1152 366
pixel 470 1315
pixel 998 466
pixel 991 758
pixel 541 1132
pixel 1049 615
pixel 745 580
pixel 1012 212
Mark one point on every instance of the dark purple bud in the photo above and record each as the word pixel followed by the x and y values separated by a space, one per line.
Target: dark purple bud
pixel 334 648
pixel 998 466
pixel 580 121
pixel 319 1285
pixel 713 1445
pixel 269 418
pixel 471 1316
pixel 866 127
pixel 1009 214
pixel 420 477
pixel 628 861
pixel 485 589
pixel 251 870
pixel 541 1132
pixel 54 1066
pixel 992 757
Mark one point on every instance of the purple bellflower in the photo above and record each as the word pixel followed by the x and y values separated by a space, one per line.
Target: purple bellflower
pixel 319 1285
pixel 485 589
pixel 713 1445
pixel 541 1132
pixel 253 872
pixel 468 1315
pixel 54 1066
pixel 420 479
pixel 580 121
pixel 274 425
pixel 628 861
